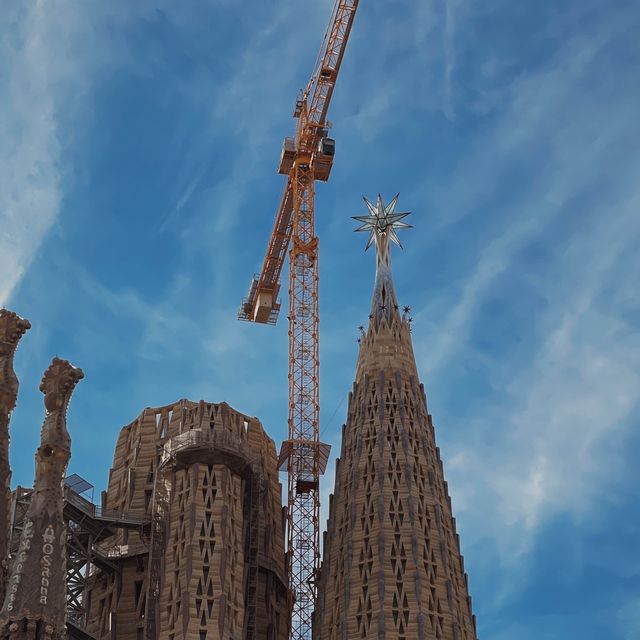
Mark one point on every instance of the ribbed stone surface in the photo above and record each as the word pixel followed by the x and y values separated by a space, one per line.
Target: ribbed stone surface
pixel 204 591
pixel 394 571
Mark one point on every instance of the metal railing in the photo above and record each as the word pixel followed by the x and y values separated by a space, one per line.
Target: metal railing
pixel 215 439
pixel 98 513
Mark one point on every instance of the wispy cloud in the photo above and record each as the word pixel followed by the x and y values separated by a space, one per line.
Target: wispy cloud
pixel 544 453
pixel 45 84
pixel 541 450
pixel 30 182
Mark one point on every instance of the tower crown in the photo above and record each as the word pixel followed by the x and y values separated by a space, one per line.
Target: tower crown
pixel 388 337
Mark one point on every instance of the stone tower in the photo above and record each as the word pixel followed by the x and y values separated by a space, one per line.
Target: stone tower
pixel 12 328
pixel 392 567
pixel 211 565
pixel 35 603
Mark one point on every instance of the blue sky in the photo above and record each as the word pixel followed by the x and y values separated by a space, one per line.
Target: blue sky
pixel 137 192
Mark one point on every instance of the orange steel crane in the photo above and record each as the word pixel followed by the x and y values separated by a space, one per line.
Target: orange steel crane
pixel 305 158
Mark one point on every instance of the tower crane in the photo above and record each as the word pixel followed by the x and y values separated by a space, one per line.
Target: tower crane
pixel 305 158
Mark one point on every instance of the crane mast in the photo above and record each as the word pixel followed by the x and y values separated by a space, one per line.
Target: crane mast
pixel 306 158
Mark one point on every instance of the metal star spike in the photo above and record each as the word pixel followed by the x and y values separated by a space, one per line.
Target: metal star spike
pixel 382 219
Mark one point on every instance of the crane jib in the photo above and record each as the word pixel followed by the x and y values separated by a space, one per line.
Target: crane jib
pixel 264 288
pixel 305 159
pixel 327 70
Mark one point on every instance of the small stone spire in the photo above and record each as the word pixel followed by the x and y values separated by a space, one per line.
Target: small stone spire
pixel 12 328
pixel 388 333
pixel 35 604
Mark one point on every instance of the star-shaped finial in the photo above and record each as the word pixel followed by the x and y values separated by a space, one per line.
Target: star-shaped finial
pixel 382 219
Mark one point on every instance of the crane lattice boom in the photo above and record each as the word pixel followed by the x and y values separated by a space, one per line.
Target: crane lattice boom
pixel 306 158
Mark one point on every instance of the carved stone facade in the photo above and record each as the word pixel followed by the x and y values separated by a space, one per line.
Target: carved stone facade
pixel 212 564
pixel 12 328
pixel 392 566
pixel 35 602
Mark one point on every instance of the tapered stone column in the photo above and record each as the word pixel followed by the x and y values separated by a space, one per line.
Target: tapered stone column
pixel 35 602
pixel 392 567
pixel 12 328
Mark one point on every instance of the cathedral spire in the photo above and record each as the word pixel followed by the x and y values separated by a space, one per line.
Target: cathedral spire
pixel 382 224
pixel 34 606
pixel 388 336
pixel 392 567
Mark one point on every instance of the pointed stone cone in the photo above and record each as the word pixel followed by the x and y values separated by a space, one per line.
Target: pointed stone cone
pixel 392 566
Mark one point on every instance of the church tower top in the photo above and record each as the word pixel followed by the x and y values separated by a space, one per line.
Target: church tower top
pixel 387 340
